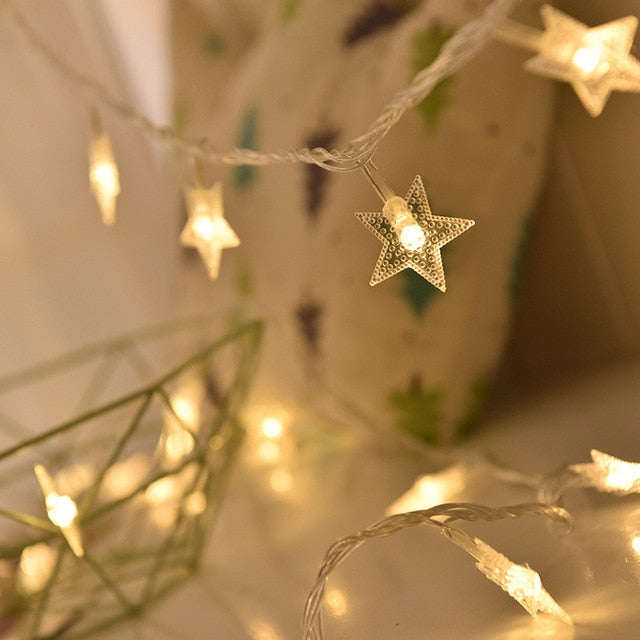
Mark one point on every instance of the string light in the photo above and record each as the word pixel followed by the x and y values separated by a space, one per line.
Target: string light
pixel 104 177
pixel 411 235
pixel 521 582
pixel 61 509
pixel 610 474
pixel 595 61
pixel 206 229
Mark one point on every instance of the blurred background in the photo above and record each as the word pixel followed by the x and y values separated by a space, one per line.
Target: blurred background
pixel 557 201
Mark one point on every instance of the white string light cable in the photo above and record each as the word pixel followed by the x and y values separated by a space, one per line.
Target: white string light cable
pixel 520 581
pixel 594 61
pixel 604 473
pixel 463 46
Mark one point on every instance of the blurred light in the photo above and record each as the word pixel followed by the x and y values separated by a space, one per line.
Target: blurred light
pixel 635 544
pixel 75 479
pixel 36 565
pixel 269 451
pixel 610 474
pixel 337 602
pixel 262 630
pixel 586 59
pixel 431 489
pixel 195 503
pixel 123 478
pixel 272 427
pixel 162 490
pixel 61 509
pixel 281 481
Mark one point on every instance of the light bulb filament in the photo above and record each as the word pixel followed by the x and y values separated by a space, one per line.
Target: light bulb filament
pixel 411 235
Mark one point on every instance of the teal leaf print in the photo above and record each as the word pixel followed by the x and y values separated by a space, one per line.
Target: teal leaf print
pixel 244 175
pixel 418 410
pixel 425 47
pixel 416 291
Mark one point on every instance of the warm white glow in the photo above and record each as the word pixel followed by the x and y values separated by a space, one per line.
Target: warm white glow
pixel 124 477
pixel 431 489
pixel 104 177
pixel 521 582
pixel 412 237
pixel 195 503
pixel 74 479
pixel 206 229
pixel 262 630
pixel 610 474
pixel 635 544
pixel 178 444
pixel 337 602
pixel 586 59
pixel 272 427
pixel 181 421
pixel 162 490
pixel 269 451
pixel 203 226
pixel 281 481
pixel 62 510
pixel 409 232
pixel 36 564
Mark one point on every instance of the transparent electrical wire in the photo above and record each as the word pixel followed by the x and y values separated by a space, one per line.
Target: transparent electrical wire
pixel 439 516
pixel 463 46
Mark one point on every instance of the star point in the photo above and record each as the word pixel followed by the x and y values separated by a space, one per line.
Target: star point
pixel 206 229
pixel 412 236
pixel 595 61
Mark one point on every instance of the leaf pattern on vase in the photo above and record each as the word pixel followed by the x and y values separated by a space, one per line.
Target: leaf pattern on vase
pixel 476 401
pixel 289 9
pixel 416 291
pixel 377 15
pixel 418 410
pixel 317 178
pixel 308 315
pixel 425 47
pixel 244 175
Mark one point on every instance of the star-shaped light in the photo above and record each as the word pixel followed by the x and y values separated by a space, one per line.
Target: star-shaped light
pixel 594 61
pixel 61 509
pixel 206 229
pixel 412 236
pixel 610 474
pixel 103 176
pixel 521 582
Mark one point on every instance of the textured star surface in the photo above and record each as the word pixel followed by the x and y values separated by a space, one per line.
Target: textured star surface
pixel 595 61
pixel 610 474
pixel 426 261
pixel 206 228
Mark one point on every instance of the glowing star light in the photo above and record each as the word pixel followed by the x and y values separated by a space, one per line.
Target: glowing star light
pixel 206 229
pixel 610 474
pixel 61 509
pixel 595 61
pixel 103 173
pixel 520 581
pixel 411 235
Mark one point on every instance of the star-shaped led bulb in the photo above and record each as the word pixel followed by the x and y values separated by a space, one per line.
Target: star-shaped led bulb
pixel 594 61
pixel 206 229
pixel 103 176
pixel 412 236
pixel 61 509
